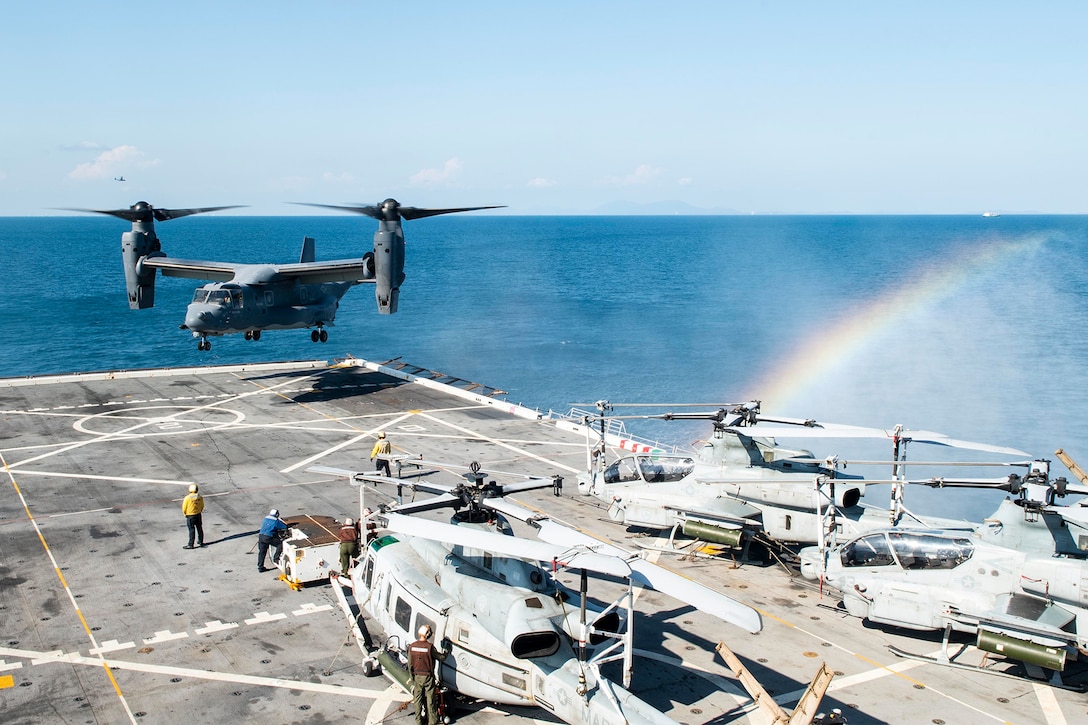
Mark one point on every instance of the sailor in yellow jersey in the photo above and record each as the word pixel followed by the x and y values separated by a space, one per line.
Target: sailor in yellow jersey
pixel 193 508
pixel 381 450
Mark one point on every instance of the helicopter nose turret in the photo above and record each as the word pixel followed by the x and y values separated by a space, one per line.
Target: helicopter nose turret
pixel 198 318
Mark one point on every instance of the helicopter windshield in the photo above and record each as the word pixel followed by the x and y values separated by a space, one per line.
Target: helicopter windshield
pixel 219 297
pixel 648 468
pixel 912 550
pixel 657 470
pixel 925 551
pixel 871 550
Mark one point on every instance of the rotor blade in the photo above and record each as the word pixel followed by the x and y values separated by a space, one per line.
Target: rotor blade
pixel 489 471
pixel 968 464
pixel 413 484
pixel 368 209
pixel 430 504
pixel 512 510
pixel 411 212
pixel 566 556
pixel 643 572
pixel 661 579
pixel 163 215
pixel 145 212
pixel 529 485
pixel 836 430
pixel 941 482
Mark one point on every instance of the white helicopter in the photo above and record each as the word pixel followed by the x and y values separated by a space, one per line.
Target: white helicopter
pixel 741 483
pixel 516 635
pixel 1018 582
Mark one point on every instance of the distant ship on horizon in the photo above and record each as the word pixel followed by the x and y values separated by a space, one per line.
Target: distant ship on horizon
pixel 991 213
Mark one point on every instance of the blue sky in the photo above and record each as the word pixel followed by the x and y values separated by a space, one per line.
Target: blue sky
pixel 559 107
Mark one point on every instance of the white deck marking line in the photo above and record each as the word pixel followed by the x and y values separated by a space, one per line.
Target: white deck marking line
pixel 345 444
pixel 93 477
pixel 215 626
pixel 125 433
pixel 262 617
pixel 1052 711
pixel 311 608
pixel 58 657
pixel 111 645
pixel 503 444
pixel 165 635
pixel 5 666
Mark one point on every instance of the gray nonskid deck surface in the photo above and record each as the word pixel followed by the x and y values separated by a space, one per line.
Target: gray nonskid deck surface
pixel 105 618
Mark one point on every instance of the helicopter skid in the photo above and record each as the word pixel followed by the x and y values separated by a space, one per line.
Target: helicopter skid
pixel 1054 681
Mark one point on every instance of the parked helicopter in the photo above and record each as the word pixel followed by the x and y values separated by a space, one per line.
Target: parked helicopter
pixel 1018 581
pixel 251 298
pixel 741 483
pixel 516 635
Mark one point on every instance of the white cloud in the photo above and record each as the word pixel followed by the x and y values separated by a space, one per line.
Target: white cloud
pixel 540 183
pixel 684 181
pixel 642 174
pixel 113 161
pixel 428 177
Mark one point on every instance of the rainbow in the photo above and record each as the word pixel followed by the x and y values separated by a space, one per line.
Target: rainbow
pixel 840 340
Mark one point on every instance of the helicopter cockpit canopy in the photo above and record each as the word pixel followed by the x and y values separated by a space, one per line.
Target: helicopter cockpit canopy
pixel 217 295
pixel 652 469
pixel 908 550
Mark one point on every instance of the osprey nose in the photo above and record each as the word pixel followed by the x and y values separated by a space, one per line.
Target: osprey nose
pixel 197 319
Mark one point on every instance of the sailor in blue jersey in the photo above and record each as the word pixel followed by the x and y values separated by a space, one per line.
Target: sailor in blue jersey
pixel 272 530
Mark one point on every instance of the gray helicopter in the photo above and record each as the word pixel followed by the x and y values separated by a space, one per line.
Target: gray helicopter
pixel 516 635
pixel 741 483
pixel 1017 582
pixel 251 298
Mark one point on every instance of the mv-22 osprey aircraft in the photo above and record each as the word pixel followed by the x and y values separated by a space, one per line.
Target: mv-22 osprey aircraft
pixel 250 298
pixel 514 634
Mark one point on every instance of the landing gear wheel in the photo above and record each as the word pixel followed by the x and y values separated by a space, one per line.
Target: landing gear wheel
pixel 203 345
pixel 315 335
pixel 370 667
pixel 256 335
pixel 324 336
pixel 249 335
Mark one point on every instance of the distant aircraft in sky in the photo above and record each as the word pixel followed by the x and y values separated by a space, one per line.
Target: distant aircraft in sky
pixel 118 178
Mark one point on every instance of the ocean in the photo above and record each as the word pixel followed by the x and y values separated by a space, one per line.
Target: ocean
pixel 974 327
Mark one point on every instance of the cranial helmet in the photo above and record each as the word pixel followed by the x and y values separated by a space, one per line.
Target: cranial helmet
pixel 274 512
pixel 382 434
pixel 425 631
pixel 349 522
pixel 193 488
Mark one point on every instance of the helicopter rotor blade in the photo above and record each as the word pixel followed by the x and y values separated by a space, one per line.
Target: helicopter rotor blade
pixel 836 430
pixel 642 572
pixel 661 579
pixel 430 504
pixel 566 556
pixel 143 212
pixel 391 210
